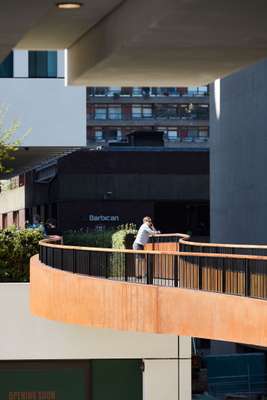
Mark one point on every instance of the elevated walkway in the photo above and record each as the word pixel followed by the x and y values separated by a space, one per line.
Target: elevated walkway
pixel 175 286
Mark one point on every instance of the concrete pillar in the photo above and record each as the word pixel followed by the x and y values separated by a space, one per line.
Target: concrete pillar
pixel 60 64
pixel 169 378
pixel 21 67
pixel 238 154
pixel 22 215
pixel 10 221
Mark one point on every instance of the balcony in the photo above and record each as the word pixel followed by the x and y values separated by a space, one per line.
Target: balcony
pixel 152 118
pixel 175 286
pixel 173 137
pixel 146 92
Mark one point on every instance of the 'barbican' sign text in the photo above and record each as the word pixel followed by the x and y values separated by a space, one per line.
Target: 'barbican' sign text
pixel 104 218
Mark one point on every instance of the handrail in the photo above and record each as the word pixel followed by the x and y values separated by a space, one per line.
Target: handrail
pixel 50 243
pixel 181 235
pixel 223 245
pixel 235 274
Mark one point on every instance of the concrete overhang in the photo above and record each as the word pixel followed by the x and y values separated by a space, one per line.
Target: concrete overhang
pixel 27 158
pixel 17 18
pixel 152 42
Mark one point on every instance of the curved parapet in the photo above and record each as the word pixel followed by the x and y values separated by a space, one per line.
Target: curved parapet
pixel 103 303
pixel 207 295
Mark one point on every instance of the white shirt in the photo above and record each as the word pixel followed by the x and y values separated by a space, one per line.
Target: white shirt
pixel 143 234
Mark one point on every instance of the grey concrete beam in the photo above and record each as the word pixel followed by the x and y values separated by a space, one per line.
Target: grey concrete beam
pixel 170 42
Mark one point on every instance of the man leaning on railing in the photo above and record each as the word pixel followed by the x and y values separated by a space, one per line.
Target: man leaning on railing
pixel 145 230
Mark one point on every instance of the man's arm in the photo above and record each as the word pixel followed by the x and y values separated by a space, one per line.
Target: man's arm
pixel 152 230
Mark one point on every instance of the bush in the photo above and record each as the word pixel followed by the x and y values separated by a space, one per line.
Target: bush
pixel 89 239
pixel 122 239
pixel 17 246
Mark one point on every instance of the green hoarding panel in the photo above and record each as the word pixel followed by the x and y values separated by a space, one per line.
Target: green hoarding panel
pixel 44 381
pixel 116 380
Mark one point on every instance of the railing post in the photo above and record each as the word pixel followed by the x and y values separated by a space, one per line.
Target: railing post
pixel 61 258
pixel 199 274
pixel 247 278
pixel 106 266
pixel 89 263
pixel 152 238
pixel 126 269
pixel 41 253
pixel 175 266
pixel 223 277
pixel 53 257
pixel 74 266
pixel 149 269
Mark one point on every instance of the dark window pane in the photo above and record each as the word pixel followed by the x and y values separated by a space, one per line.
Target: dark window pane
pixel 6 67
pixel 42 64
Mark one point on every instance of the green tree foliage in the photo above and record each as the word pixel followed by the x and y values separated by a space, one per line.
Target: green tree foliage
pixel 89 239
pixel 8 144
pixel 17 246
pixel 124 237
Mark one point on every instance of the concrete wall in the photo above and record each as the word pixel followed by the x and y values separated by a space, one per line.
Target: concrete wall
pixel 24 337
pixel 12 200
pixel 238 157
pixel 55 114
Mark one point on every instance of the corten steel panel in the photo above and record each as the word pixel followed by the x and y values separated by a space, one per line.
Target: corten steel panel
pixel 165 269
pixel 70 298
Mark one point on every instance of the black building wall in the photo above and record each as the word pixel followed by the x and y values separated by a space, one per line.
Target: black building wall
pixel 122 185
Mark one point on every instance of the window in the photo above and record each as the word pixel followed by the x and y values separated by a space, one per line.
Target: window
pixel 16 218
pixel 114 112
pixel 126 91
pixel 42 64
pixel 114 91
pixel 172 134
pixel 4 221
pixel 142 111
pixel 101 91
pixel 137 91
pixel 183 133
pixel 203 132
pixel 98 135
pixel 162 129
pixel 119 134
pixel 202 111
pixel 136 111
pixel 192 132
pixel 147 111
pixel 187 111
pixel 168 111
pixel 6 67
pixel 203 90
pixel 101 112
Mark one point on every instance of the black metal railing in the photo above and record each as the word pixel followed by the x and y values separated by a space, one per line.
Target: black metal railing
pixel 130 266
pixel 237 249
pixel 234 274
pixel 147 92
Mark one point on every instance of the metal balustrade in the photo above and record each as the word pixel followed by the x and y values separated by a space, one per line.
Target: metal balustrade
pixel 172 261
pixel 147 92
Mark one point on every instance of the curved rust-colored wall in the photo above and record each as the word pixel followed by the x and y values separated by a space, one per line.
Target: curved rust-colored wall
pixel 95 302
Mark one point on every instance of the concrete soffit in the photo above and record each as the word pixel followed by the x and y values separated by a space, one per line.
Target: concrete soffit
pixel 154 42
